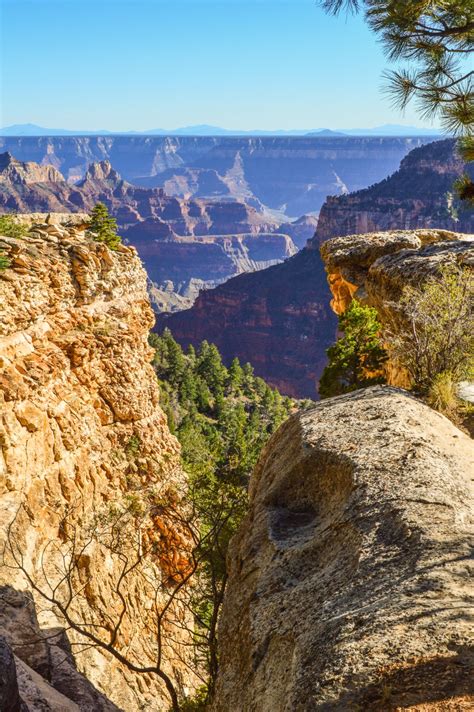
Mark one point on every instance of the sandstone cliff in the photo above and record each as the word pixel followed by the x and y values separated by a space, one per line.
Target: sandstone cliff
pixel 377 266
pixel 349 586
pixel 418 195
pixel 81 430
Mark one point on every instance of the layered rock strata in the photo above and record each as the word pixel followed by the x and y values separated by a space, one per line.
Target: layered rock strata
pixel 81 432
pixel 349 586
pixel 421 194
pixel 293 174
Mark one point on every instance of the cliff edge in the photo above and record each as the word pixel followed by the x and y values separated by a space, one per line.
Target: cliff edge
pixel 80 430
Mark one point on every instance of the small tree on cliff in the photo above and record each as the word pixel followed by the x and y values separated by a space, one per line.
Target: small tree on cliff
pixel 103 228
pixel 356 359
pixel 434 332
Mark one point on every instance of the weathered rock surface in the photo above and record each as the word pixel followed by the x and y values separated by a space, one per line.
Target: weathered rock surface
pixel 349 584
pixel 376 267
pixel 76 388
pixel 418 195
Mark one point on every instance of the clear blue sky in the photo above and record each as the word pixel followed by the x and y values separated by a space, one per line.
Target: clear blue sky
pixel 142 64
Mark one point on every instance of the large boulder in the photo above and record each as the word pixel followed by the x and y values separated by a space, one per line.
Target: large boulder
pixel 349 584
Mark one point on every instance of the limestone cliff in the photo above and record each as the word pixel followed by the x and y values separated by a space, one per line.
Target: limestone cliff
pixel 80 429
pixel 349 586
pixel 375 267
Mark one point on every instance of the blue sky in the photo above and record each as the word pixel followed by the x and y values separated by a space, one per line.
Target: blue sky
pixel 142 64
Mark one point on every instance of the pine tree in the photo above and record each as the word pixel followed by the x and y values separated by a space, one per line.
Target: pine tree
pixel 103 227
pixel 356 359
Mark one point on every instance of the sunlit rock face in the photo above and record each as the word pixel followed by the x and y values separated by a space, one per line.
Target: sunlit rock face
pixel 348 584
pixel 376 267
pixel 76 388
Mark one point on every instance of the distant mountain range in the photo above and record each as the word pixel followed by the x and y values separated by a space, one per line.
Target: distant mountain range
pixel 206 130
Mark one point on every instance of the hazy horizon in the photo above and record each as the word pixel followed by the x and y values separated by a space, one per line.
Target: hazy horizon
pixel 243 64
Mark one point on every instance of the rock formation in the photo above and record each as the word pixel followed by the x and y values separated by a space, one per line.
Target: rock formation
pixel 376 267
pixel 418 195
pixel 81 431
pixel 168 232
pixel 349 585
pixel 278 319
pixel 293 174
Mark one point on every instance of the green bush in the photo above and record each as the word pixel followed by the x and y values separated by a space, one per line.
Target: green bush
pixel 434 332
pixel 4 261
pixel 103 228
pixel 10 228
pixel 357 358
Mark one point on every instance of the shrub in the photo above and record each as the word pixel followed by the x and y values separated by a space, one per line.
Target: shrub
pixel 103 228
pixel 442 395
pixel 4 261
pixel 356 359
pixel 10 228
pixel 436 331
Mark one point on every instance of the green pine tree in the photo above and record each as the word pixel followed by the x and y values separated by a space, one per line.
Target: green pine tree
pixel 356 359
pixel 103 227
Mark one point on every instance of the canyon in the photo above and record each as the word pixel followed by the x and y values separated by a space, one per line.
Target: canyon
pixel 186 245
pixel 348 580
pixel 280 319
pixel 290 174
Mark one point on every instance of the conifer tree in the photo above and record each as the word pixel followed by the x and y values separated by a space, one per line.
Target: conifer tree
pixel 356 359
pixel 103 227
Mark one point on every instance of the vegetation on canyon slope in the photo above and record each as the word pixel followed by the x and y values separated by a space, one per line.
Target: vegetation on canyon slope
pixel 222 417
pixel 435 342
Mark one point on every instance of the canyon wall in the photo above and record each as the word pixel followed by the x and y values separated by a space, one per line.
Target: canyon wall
pixel 348 583
pixel 291 174
pixel 81 436
pixel 419 195
pixel 279 319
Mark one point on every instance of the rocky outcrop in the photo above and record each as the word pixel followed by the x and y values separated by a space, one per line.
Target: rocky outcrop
pixel 81 431
pixel 294 174
pixel 169 233
pixel 375 268
pixel 349 587
pixel 419 195
pixel 278 319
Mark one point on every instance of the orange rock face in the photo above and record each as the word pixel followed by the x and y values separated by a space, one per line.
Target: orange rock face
pixel 81 429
